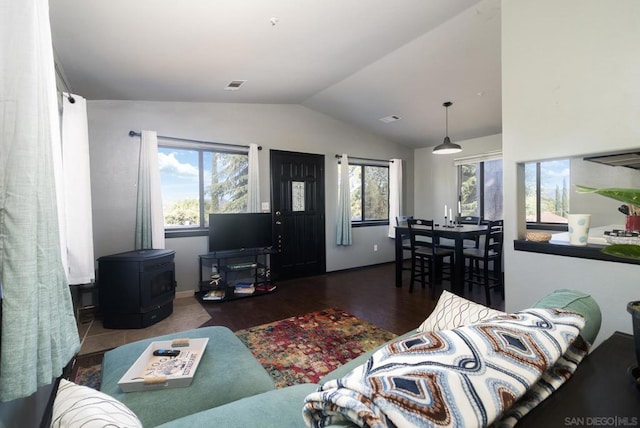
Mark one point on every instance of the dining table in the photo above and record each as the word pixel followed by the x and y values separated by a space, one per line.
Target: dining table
pixel 458 234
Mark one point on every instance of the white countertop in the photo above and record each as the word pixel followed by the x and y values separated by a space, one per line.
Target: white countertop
pixel 596 235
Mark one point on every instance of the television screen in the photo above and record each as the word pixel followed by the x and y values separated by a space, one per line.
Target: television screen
pixel 239 231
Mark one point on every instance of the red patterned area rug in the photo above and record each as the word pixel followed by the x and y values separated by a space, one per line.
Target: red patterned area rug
pixel 87 370
pixel 305 348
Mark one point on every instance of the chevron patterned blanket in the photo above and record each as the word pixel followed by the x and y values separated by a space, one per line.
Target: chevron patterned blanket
pixel 492 372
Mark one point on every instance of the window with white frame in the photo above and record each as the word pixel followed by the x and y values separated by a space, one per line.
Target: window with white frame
pixel 480 186
pixel 196 181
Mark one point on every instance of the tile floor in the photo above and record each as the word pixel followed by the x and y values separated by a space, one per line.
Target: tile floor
pixel 187 314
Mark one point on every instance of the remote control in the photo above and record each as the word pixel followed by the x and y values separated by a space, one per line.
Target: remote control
pixel 166 352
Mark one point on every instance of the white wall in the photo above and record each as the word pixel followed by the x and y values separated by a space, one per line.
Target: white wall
pixel 571 85
pixel 114 160
pixel 436 180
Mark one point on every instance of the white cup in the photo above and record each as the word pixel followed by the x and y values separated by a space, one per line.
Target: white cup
pixel 579 228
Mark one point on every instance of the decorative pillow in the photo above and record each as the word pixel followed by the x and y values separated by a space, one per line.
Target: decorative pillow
pixel 453 311
pixel 81 406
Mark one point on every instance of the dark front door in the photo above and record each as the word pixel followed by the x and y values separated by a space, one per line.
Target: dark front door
pixel 297 191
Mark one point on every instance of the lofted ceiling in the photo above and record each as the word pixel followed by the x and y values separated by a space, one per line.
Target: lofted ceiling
pixel 355 60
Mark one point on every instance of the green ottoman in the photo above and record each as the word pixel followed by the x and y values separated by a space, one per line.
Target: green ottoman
pixel 227 372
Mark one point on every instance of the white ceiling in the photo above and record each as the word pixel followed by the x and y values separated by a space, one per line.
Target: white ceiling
pixel 355 60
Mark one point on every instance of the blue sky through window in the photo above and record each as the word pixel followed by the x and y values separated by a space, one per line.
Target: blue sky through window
pixel 178 174
pixel 554 173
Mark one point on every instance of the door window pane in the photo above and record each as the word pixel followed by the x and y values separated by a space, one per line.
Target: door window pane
pixel 297 196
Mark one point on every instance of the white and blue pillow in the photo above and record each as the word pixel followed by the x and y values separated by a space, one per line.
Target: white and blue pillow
pixel 453 311
pixel 81 406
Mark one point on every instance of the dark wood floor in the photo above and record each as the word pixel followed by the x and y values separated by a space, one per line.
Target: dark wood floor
pixel 368 293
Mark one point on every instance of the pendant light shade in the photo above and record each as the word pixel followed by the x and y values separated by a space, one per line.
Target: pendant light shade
pixel 447 147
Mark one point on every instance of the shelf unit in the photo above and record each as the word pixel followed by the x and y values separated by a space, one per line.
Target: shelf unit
pixel 236 274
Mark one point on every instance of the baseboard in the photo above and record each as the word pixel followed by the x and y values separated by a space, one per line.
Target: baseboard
pixel 184 293
pixel 361 267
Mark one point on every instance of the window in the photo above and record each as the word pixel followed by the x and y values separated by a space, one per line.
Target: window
pixel 480 188
pixel 197 181
pixel 547 191
pixel 369 186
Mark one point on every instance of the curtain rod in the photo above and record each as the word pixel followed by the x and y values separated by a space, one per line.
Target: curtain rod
pixel 366 159
pixel 137 134
pixel 64 82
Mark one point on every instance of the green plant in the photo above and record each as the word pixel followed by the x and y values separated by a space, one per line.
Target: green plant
pixel 625 251
pixel 631 197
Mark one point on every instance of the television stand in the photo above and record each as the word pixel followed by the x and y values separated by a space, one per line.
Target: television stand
pixel 235 274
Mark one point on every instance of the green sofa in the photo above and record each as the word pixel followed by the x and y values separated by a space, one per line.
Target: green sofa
pixel 239 393
pixel 277 408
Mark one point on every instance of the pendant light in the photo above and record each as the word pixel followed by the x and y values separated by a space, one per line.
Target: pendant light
pixel 447 147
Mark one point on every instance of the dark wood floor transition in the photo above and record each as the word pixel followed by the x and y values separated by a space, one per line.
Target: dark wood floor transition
pixel 368 293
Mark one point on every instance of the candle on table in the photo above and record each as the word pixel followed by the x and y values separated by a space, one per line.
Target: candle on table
pixel 459 211
pixel 445 210
pixel 450 216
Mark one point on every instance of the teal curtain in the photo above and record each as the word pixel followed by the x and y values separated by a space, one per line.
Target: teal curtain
pixel 149 218
pixel 39 334
pixel 344 235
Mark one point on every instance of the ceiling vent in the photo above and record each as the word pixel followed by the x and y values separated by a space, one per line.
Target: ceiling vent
pixel 629 160
pixel 234 85
pixel 389 119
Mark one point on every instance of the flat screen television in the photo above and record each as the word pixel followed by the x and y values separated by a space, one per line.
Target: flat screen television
pixel 239 231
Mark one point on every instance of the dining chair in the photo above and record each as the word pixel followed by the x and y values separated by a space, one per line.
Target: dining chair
pixel 427 257
pixel 475 241
pixel 489 252
pixel 471 220
pixel 401 221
